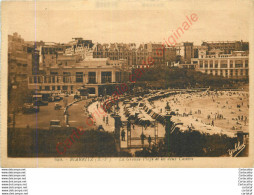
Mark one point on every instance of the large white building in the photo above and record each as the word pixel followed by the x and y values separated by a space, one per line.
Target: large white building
pixel 93 74
pixel 235 65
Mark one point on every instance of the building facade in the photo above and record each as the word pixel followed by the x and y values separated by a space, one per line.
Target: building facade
pixel 17 59
pixel 235 65
pixel 227 47
pixel 95 75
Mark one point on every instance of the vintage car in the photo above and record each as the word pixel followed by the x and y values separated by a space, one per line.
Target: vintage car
pixel 57 106
pixel 57 98
pixel 54 124
pixel 30 108
pixel 77 96
pixel 51 99
pixel 38 101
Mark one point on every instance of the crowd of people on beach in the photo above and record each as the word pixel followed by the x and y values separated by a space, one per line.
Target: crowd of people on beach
pixel 224 110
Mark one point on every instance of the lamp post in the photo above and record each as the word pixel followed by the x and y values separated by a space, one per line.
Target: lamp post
pixel 117 129
pixel 167 126
pixel 167 108
pixel 142 129
pixel 155 125
pixel 131 121
pixel 142 138
pixel 117 109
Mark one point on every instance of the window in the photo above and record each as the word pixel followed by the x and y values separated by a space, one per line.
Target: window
pixel 91 77
pixel 79 77
pixel 39 79
pixel 91 90
pixel 118 77
pixel 247 72
pixel 47 79
pixel 238 63
pixel 206 64
pixel 58 88
pixel 106 77
pixel 35 79
pixel 223 63
pixel 47 88
pixel 65 88
pixel 231 72
pixel 236 72
pixel 216 63
pixel 246 63
pixel 231 63
pixel 53 88
pixel 241 73
pixel 211 64
pixel 66 77
pixel 53 79
pixel 201 64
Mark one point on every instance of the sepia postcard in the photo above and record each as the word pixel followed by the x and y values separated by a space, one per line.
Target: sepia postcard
pixel 127 83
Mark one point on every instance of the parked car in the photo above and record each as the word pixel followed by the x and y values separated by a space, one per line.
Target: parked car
pixel 40 103
pixel 61 95
pixel 77 97
pixel 58 98
pixel 51 99
pixel 54 124
pixel 58 106
pixel 30 108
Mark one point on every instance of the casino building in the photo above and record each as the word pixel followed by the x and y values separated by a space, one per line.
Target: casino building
pixel 92 74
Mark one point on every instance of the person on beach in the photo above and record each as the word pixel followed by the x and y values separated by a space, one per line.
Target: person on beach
pixel 106 120
pixel 149 140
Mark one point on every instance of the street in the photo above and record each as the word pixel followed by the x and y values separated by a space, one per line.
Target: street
pixel 78 116
pixel 42 119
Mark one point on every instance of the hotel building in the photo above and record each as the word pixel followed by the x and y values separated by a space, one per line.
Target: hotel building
pixel 235 65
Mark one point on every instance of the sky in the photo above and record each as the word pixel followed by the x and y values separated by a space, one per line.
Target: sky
pixel 60 22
